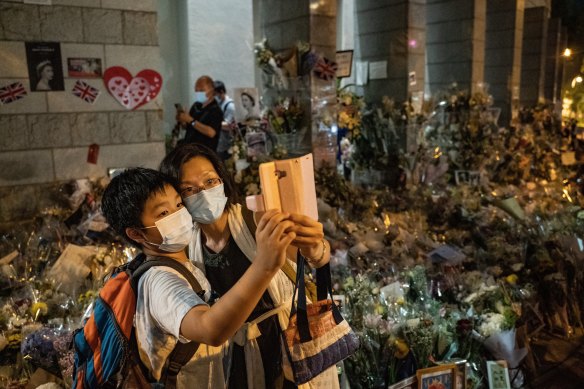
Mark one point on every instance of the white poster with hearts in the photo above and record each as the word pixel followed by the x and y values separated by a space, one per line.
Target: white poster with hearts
pixel 132 91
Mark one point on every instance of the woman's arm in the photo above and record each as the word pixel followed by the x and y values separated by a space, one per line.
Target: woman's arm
pixel 214 325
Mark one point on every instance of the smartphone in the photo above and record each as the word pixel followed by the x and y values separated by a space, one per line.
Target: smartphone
pixel 288 185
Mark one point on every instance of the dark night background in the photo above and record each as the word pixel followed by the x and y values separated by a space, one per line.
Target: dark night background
pixel 572 14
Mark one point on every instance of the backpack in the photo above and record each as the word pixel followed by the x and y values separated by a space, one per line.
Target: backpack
pixel 106 351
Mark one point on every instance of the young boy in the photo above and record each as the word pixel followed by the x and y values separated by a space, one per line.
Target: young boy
pixel 144 206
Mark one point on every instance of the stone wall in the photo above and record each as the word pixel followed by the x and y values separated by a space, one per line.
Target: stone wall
pixel 44 137
pixel 393 31
pixel 503 55
pixel 553 60
pixel 533 61
pixel 455 32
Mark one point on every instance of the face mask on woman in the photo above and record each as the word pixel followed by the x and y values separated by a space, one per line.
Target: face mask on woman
pixel 176 230
pixel 207 206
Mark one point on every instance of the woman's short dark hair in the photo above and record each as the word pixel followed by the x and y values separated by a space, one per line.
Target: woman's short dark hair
pixel 249 96
pixel 124 198
pixel 171 165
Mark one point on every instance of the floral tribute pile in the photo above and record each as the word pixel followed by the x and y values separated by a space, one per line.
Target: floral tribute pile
pixel 472 247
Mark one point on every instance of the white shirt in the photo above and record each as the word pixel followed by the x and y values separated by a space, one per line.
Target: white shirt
pixel 164 298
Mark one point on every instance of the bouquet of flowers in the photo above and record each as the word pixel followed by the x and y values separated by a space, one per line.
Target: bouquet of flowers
pixel 286 116
pixel 349 113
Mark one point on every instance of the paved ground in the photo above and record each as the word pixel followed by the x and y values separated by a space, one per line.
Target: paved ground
pixel 558 362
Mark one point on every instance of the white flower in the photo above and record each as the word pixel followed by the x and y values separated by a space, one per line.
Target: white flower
pixel 491 324
pixel 372 320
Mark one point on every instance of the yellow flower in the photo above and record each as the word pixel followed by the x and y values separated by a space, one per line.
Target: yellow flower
pixel 511 279
pixel 402 348
pixel 39 309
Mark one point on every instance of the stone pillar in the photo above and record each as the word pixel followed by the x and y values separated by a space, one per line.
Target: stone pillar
pixel 455 46
pixel 553 58
pixel 562 68
pixel 393 31
pixel 284 23
pixel 533 59
pixel 503 54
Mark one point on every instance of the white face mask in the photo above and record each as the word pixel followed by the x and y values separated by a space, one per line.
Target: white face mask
pixel 206 206
pixel 200 97
pixel 176 230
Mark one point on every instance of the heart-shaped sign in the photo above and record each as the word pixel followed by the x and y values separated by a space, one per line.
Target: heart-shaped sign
pixel 132 92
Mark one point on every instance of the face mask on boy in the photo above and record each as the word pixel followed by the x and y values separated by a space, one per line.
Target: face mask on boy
pixel 176 230
pixel 206 206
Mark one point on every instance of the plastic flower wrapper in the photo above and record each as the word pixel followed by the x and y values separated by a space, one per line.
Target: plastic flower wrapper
pixel 38 349
pixel 286 116
pixel 370 318
pixel 419 333
pixel 502 346
pixel 65 355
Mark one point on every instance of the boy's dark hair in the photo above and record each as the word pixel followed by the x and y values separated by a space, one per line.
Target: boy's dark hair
pixel 219 87
pixel 172 163
pixel 124 198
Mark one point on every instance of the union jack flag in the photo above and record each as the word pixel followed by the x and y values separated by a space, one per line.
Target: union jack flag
pixel 85 91
pixel 12 92
pixel 325 69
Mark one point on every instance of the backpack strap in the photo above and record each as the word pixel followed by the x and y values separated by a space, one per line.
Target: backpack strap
pixel 227 105
pixel 183 352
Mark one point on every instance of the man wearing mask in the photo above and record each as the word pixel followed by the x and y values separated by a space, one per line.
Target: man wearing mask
pixel 228 126
pixel 203 122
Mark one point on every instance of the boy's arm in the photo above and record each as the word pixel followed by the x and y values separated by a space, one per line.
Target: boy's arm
pixel 214 325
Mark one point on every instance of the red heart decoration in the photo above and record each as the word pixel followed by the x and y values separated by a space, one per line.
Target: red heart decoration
pixel 121 85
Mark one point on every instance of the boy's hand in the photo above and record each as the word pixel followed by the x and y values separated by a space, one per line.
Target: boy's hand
pixel 273 236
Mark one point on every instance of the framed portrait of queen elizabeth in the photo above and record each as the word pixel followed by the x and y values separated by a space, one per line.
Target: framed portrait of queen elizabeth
pixel 45 69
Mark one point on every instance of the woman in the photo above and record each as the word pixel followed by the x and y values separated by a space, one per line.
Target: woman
pixel 45 74
pixel 223 247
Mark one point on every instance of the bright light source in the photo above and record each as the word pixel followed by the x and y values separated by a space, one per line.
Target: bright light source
pixel 567 53
pixel 579 79
pixel 576 80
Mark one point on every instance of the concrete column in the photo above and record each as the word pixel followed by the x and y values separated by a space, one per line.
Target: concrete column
pixel 503 54
pixel 533 60
pixel 393 31
pixel 553 58
pixel 455 43
pixel 284 23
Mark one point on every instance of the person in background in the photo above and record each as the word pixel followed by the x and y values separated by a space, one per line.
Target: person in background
pixel 143 206
pixel 203 121
pixel 224 246
pixel 228 125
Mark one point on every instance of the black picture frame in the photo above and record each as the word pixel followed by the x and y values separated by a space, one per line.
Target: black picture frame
pixel 45 67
